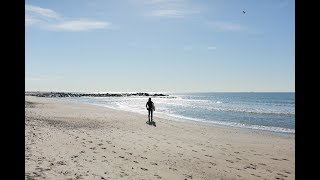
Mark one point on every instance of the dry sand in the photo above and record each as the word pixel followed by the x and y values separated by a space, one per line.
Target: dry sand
pixel 78 141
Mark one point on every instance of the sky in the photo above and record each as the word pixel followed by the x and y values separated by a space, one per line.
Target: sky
pixel 160 45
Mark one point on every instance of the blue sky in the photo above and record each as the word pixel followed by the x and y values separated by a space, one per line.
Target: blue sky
pixel 160 45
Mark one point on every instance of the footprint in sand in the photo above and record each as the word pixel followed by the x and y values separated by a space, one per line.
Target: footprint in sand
pixel 275 159
pixel 255 175
pixel 207 155
pixel 144 169
pixel 229 161
pixel 144 158
pixel 61 162
pixel 125 174
pixel 194 150
pixel 66 172
pixel 188 176
pixel 135 161
pixel 282 175
pixel 152 163
pixel 251 166
pixel 174 169
pixel 287 172
pixel 156 175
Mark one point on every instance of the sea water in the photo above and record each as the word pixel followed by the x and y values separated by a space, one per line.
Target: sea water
pixel 274 112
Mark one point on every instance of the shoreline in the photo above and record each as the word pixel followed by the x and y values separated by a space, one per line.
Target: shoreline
pixel 199 122
pixel 76 140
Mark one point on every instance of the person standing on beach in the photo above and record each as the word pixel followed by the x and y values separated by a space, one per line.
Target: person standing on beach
pixel 150 107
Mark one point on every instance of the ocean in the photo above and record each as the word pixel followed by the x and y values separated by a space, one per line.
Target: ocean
pixel 273 112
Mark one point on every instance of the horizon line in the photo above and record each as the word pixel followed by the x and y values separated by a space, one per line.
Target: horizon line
pixel 165 91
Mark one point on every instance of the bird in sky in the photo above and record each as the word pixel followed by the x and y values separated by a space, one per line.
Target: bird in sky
pixel 243 12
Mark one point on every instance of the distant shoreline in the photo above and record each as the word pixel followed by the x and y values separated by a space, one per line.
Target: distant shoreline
pixel 68 94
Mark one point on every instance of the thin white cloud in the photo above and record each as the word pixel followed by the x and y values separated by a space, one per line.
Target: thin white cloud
pixel 168 13
pixel 51 20
pixel 81 25
pixel 41 11
pixel 30 20
pixel 227 26
pixel 211 48
pixel 170 8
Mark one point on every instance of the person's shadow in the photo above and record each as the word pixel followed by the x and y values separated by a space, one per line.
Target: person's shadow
pixel 152 123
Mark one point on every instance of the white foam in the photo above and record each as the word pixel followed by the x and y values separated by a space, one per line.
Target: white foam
pixel 233 124
pixel 137 105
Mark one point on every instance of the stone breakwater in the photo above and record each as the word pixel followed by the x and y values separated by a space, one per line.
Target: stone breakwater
pixel 66 94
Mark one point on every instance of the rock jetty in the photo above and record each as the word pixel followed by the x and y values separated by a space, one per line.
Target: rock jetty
pixel 67 94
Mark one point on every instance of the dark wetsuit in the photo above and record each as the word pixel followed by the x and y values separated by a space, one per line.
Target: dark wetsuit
pixel 150 109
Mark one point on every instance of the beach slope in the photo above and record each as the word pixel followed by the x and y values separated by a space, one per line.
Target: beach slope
pixel 78 141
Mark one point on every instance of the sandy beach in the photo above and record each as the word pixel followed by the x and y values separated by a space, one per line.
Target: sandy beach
pixel 65 140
